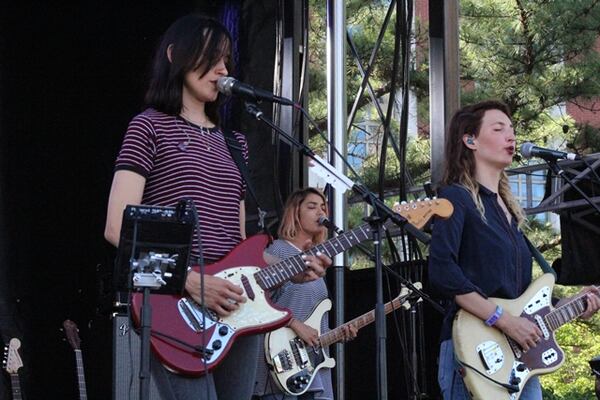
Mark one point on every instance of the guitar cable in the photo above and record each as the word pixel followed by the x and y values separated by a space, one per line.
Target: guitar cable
pixel 511 388
pixel 194 210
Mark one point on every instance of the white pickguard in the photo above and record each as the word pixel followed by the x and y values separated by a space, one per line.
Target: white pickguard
pixel 253 312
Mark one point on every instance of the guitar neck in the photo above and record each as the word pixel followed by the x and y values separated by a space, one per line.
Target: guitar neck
pixel 566 312
pixel 337 334
pixel 16 387
pixel 276 274
pixel 80 375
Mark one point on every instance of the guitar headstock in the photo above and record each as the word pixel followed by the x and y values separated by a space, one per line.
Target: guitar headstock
pixel 401 299
pixel 12 360
pixel 418 212
pixel 72 334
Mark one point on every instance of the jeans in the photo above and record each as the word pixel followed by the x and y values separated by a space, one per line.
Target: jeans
pixel 453 387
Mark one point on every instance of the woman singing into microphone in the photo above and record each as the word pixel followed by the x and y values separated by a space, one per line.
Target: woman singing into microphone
pixel 300 230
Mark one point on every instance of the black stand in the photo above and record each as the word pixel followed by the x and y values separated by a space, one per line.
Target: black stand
pixel 154 249
pixel 558 171
pixel 382 212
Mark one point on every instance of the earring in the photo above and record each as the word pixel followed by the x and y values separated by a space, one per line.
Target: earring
pixel 470 140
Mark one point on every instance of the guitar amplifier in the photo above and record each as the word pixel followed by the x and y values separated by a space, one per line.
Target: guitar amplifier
pixel 126 362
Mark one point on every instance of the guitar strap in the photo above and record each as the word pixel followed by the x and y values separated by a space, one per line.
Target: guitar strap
pixel 236 153
pixel 540 258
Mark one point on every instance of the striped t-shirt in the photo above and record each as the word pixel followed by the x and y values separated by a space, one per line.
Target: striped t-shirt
pixel 183 160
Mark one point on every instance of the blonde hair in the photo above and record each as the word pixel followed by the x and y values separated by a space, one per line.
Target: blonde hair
pixel 290 225
pixel 460 161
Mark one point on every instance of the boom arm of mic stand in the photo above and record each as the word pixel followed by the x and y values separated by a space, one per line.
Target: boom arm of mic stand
pixel 558 171
pixel 339 180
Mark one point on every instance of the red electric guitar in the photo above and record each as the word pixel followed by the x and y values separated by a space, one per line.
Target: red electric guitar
pixel 190 341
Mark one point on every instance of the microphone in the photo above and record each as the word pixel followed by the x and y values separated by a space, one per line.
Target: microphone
pixel 324 221
pixel 230 86
pixel 529 150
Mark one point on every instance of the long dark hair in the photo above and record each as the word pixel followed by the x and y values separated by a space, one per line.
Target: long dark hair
pixel 460 161
pixel 197 42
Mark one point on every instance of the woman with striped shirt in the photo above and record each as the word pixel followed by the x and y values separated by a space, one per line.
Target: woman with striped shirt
pixel 175 149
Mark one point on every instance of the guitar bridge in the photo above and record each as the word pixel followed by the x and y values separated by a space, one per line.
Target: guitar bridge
pixel 282 361
pixel 491 356
pixel 193 315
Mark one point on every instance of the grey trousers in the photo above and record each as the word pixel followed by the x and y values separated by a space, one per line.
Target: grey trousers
pixel 233 379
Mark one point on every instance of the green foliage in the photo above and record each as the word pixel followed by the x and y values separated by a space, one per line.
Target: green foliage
pixel 534 55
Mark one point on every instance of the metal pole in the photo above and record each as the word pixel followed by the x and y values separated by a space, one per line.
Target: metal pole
pixel 444 88
pixel 336 128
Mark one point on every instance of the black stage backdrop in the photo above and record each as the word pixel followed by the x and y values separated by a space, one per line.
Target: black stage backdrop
pixel 71 77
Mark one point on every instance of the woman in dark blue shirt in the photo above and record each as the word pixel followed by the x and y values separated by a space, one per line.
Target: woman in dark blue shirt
pixel 480 251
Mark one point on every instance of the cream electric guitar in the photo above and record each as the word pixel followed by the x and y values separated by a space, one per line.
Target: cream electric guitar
pixel 12 363
pixel 294 365
pixel 495 366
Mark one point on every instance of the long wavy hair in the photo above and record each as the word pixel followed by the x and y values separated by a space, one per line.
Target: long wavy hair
pixel 197 43
pixel 290 225
pixel 460 161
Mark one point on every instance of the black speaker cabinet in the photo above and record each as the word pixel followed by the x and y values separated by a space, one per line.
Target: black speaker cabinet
pixel 126 362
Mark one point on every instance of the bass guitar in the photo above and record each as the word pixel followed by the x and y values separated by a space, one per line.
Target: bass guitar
pixel 190 340
pixel 12 362
pixel 294 365
pixel 496 368
pixel 72 334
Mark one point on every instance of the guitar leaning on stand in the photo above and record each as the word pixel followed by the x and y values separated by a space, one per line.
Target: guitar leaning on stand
pixel 12 362
pixel 295 365
pixel 495 366
pixel 72 334
pixel 179 324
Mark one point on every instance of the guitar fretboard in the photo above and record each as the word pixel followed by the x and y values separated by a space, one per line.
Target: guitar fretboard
pixel 566 312
pixel 80 375
pixel 337 334
pixel 16 387
pixel 278 273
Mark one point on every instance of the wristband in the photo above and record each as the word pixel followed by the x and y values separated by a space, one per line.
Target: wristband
pixel 494 317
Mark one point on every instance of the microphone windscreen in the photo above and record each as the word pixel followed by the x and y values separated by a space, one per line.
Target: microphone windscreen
pixel 224 85
pixel 526 149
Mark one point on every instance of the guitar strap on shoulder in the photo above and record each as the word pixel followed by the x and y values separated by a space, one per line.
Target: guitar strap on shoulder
pixel 540 258
pixel 236 153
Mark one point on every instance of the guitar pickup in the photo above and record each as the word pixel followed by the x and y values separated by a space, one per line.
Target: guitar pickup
pixel 300 352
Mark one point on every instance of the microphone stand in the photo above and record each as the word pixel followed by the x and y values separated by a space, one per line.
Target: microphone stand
pixel 558 171
pixel 380 214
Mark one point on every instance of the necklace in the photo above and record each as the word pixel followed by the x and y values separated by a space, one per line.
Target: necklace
pixel 204 133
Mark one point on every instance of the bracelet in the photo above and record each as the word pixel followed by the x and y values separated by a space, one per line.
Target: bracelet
pixel 494 317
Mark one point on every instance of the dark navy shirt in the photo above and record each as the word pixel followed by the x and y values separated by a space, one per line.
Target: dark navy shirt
pixel 468 253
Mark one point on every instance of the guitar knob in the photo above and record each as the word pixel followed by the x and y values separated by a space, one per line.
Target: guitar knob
pixel 217 345
pixel 223 331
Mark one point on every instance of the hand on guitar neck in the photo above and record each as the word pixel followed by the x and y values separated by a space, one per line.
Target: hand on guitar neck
pixel 592 297
pixel 310 335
